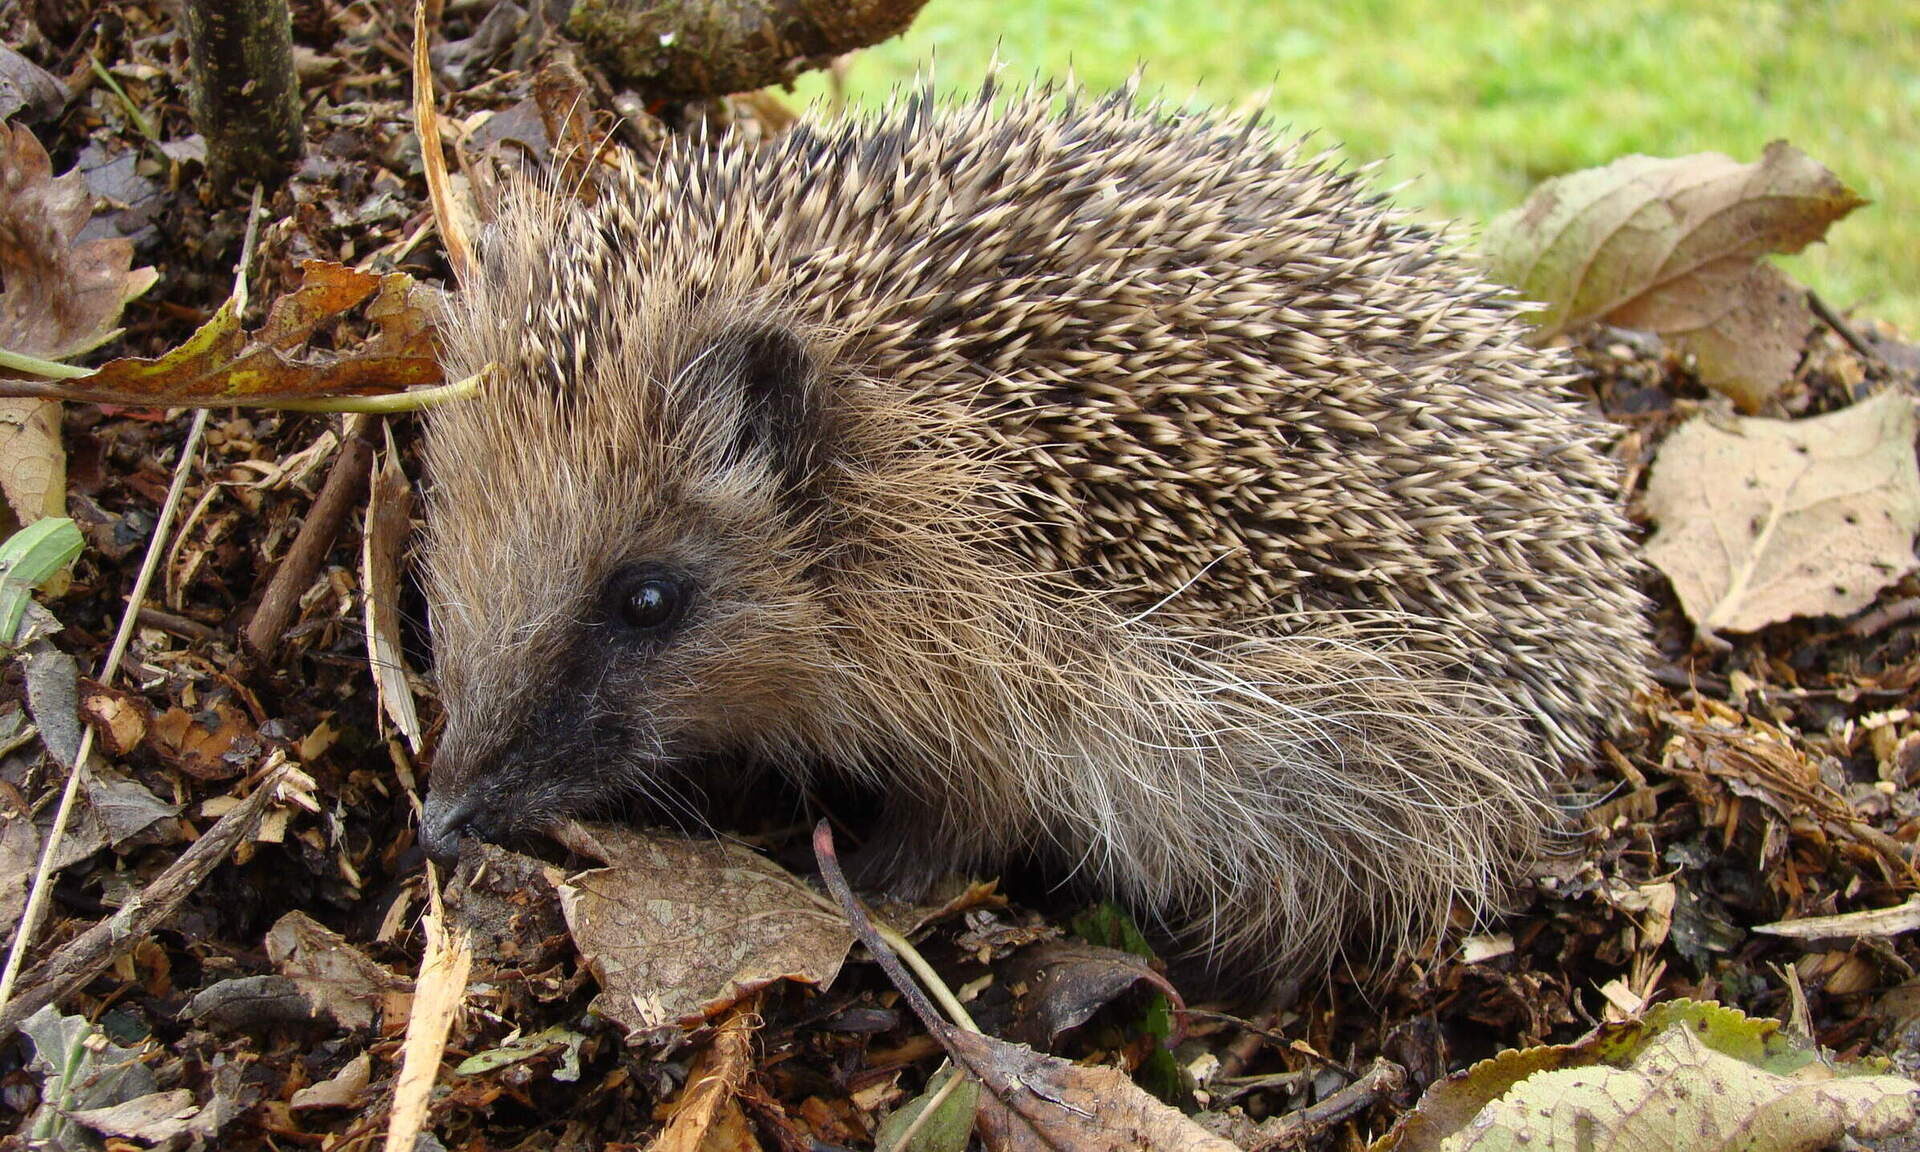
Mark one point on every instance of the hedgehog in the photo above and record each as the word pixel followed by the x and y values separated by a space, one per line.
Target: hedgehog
pixel 1104 491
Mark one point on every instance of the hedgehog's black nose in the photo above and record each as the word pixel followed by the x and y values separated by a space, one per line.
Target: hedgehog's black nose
pixel 449 816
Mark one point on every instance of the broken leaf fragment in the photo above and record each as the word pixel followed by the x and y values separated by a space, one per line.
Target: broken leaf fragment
pixel 1034 1102
pixel 1687 1074
pixel 706 1115
pixel 1760 521
pixel 33 462
pixel 1677 246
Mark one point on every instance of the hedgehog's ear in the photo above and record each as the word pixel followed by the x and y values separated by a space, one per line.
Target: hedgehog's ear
pixel 783 415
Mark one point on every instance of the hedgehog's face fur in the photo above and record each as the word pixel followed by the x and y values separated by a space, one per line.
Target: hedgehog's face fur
pixel 607 620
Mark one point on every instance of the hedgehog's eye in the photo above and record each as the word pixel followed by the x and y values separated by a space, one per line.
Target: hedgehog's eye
pixel 649 599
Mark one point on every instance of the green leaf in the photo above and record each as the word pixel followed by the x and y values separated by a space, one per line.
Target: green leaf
pixel 30 558
pixel 947 1130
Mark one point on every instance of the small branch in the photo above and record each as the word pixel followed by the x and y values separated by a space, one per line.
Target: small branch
pixel 152 617
pixel 679 51
pixel 93 950
pixel 1883 618
pixel 1295 1129
pixel 345 487
pixel 1840 326
pixel 887 953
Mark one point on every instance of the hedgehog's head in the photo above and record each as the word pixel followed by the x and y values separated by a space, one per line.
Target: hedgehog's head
pixel 622 535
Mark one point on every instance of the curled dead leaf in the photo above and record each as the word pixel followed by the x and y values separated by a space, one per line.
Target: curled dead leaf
pixel 388 521
pixel 223 364
pixel 1675 246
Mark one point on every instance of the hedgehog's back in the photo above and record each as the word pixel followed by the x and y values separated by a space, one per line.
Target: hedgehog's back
pixel 1189 363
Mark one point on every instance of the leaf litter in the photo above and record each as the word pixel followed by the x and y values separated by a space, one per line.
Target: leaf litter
pixel 1768 778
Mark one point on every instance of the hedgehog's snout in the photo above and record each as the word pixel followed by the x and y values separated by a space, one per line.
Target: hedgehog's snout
pixel 449 816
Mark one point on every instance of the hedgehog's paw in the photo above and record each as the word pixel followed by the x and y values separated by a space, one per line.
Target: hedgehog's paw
pixel 898 859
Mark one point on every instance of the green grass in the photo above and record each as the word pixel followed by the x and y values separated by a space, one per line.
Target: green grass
pixel 1475 103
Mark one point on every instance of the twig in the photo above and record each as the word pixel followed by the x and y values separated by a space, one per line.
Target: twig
pixel 1258 1031
pixel 156 548
pixel 345 486
pixel 1881 619
pixel 887 946
pixel 1295 1128
pixel 93 950
pixel 1845 330
pixel 695 51
pixel 178 625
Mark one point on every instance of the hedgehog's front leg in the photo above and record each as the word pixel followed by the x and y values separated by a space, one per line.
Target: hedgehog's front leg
pixel 906 850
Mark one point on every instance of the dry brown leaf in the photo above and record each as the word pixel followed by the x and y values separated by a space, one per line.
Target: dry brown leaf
pixel 1058 985
pixel 335 977
pixel 677 931
pixel 389 521
pixel 24 84
pixel 222 364
pixel 1749 350
pixel 19 855
pixel 152 1118
pixel 58 297
pixel 706 1114
pixel 1674 246
pixel 1761 520
pixel 126 810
